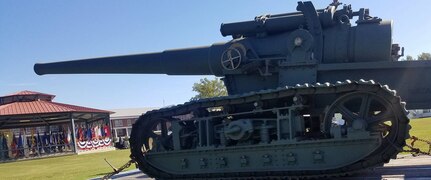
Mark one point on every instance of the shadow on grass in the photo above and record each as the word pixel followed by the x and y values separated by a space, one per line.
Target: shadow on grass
pixel 101 174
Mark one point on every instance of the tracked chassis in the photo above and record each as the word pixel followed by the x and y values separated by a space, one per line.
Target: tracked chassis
pixel 287 132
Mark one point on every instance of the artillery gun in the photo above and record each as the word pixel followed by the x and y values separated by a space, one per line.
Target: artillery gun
pixel 297 106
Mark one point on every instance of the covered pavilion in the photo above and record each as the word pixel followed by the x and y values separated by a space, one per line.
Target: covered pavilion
pixel 28 112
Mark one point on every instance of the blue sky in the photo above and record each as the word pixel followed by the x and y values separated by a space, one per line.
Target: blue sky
pixel 45 31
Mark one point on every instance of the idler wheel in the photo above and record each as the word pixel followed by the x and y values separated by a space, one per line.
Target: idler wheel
pixel 363 111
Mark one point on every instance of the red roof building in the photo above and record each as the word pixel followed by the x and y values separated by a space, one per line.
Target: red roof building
pixel 38 109
pixel 27 112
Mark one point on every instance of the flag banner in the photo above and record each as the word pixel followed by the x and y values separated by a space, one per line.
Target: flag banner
pixel 94 144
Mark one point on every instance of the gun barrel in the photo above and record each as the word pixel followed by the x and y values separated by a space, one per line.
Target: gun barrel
pixel 191 61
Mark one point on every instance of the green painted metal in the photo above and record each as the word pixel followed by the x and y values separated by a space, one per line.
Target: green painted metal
pixel 290 137
pixel 263 128
pixel 274 157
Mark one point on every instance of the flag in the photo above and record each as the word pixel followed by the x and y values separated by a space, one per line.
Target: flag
pixel 56 142
pixel 64 136
pixel 69 136
pixel 39 143
pixel 58 139
pixel 29 146
pixel 33 141
pixel 107 131
pixel 88 134
pixel 1 147
pixel 46 141
pixel 20 148
pixel 52 141
pixel 100 131
pixel 93 133
pixel 81 134
pixel 25 144
pixel 78 132
pixel 5 148
pixel 96 132
pixel 14 145
pixel 51 138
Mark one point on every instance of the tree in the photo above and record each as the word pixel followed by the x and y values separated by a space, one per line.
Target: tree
pixel 409 58
pixel 209 88
pixel 424 56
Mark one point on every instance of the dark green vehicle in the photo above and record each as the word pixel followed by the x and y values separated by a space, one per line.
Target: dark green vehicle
pixel 298 104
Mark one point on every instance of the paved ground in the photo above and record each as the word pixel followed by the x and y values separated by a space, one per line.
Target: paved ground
pixel 405 167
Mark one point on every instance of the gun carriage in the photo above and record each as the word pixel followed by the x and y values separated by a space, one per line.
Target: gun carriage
pixel 297 99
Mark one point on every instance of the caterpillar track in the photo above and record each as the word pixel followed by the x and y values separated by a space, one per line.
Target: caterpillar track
pixel 380 117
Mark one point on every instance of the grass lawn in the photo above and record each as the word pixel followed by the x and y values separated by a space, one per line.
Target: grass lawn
pixel 92 165
pixel 65 167
pixel 421 128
